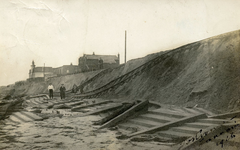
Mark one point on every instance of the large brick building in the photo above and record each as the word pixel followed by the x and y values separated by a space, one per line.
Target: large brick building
pixel 94 62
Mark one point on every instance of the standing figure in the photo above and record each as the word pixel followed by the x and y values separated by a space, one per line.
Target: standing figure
pixel 50 89
pixel 74 89
pixel 62 91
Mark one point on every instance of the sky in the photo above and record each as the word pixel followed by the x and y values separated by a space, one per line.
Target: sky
pixel 58 32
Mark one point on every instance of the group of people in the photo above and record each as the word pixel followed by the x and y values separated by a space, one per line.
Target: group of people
pixel 62 91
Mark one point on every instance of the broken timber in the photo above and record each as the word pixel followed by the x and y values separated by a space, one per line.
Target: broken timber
pixel 209 134
pixel 24 116
pixel 115 106
pixel 132 111
pixel 169 124
pixel 40 95
pixel 235 114
pixel 90 105
pixel 114 114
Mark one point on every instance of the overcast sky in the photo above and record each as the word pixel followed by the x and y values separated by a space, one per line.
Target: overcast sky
pixel 57 32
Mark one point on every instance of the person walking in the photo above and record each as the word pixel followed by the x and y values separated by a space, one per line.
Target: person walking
pixel 50 89
pixel 62 91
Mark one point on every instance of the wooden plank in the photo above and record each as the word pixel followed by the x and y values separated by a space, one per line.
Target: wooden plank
pixel 90 105
pixel 126 114
pixel 231 115
pixel 32 115
pixel 23 117
pixel 170 124
pixel 102 110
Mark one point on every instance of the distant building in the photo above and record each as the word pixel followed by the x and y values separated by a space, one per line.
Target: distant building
pixel 38 72
pixel 95 62
pixel 66 69
pixel 85 63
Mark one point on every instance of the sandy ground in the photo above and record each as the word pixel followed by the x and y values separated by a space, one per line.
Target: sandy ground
pixel 67 133
pixel 73 132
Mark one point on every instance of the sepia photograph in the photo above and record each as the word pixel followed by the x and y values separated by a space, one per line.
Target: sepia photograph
pixel 120 74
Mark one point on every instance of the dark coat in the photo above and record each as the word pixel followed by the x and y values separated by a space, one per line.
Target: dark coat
pixel 62 89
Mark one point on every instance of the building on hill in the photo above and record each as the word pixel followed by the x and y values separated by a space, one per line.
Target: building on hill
pixel 42 72
pixel 95 62
pixel 86 63
pixel 36 72
pixel 66 69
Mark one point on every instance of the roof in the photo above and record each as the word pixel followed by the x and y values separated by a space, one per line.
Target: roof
pixel 106 58
pixel 70 66
pixel 42 69
pixel 66 66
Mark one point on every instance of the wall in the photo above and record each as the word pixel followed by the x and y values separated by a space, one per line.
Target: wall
pixel 37 74
pixel 70 69
pixel 41 74
pixel 57 70
pixel 66 69
pixel 107 65
pixel 88 64
pixel 92 64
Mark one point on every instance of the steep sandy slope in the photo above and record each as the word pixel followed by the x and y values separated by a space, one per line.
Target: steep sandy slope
pixel 119 71
pixel 204 73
